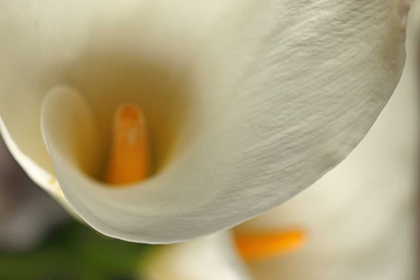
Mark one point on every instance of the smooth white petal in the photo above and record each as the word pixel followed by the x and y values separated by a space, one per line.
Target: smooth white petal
pixel 362 217
pixel 208 258
pixel 249 102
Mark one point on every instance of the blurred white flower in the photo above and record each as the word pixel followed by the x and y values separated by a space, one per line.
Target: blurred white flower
pixel 208 258
pixel 248 102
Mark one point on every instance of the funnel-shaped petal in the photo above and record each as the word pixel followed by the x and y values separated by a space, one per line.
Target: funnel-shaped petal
pixel 248 102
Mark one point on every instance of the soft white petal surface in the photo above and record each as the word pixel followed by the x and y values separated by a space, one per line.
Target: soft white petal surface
pixel 208 258
pixel 249 102
pixel 362 217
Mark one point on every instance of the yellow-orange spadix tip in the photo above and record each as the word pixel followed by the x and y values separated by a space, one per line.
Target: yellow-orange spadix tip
pixel 259 246
pixel 130 157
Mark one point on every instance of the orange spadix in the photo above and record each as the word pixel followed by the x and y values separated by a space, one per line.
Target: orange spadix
pixel 259 246
pixel 130 156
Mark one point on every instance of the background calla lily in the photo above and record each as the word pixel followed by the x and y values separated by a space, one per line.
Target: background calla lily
pixel 248 102
pixel 211 257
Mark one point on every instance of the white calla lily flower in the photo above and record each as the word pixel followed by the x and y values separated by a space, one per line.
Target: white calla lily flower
pixel 248 102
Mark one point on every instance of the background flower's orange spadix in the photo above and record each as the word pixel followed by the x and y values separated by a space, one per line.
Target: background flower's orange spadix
pixel 130 157
pixel 259 246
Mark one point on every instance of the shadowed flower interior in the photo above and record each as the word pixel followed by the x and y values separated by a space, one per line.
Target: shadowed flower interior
pixel 130 161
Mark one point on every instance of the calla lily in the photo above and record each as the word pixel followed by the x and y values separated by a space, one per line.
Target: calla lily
pixel 247 102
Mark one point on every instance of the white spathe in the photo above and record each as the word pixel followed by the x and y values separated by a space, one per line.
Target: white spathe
pixel 362 217
pixel 208 258
pixel 248 102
